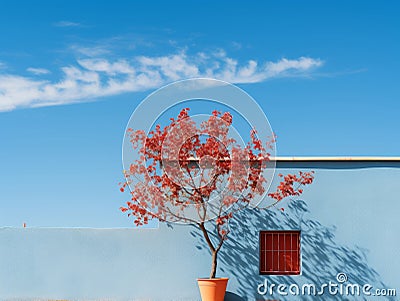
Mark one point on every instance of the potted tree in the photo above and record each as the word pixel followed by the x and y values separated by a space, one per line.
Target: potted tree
pixel 196 173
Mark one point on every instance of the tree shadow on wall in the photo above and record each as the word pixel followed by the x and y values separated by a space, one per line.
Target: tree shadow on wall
pixel 322 257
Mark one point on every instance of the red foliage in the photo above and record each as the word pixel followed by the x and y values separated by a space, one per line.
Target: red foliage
pixel 170 181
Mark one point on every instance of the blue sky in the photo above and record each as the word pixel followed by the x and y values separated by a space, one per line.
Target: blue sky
pixel 71 74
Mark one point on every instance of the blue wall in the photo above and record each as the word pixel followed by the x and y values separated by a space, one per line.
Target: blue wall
pixel 348 220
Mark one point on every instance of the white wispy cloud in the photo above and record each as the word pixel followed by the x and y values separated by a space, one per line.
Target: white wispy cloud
pixel 38 71
pixel 67 24
pixel 91 78
pixel 99 50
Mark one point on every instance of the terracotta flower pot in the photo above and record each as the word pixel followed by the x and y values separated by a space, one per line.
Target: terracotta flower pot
pixel 212 289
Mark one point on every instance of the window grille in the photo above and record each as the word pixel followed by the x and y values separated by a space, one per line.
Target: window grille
pixel 279 252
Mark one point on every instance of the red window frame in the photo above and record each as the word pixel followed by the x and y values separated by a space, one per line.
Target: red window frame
pixel 279 252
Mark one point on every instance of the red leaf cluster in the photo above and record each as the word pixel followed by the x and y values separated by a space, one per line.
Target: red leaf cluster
pixel 185 165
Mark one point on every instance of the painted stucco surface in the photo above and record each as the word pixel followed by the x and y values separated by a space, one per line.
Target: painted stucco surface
pixel 348 221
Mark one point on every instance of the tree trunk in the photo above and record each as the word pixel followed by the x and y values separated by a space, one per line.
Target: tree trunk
pixel 214 264
pixel 213 250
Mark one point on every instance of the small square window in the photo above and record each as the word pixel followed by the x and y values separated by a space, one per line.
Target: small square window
pixel 279 252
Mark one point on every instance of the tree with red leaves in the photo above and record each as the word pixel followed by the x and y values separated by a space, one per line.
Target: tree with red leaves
pixel 196 173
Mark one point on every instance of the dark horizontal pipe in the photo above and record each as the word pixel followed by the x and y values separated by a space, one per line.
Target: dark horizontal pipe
pixel 333 162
